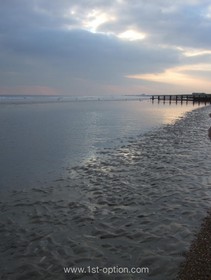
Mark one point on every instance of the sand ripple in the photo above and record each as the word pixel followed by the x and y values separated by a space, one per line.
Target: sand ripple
pixel 138 205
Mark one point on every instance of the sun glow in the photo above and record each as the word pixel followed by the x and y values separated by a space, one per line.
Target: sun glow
pixel 90 20
pixel 95 19
pixel 193 52
pixel 131 35
pixel 179 76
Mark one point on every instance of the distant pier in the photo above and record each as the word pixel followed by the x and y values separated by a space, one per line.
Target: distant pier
pixel 194 97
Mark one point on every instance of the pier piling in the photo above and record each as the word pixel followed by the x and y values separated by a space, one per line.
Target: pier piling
pixel 204 98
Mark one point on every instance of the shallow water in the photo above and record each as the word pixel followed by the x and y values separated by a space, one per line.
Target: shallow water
pixel 38 141
pixel 137 205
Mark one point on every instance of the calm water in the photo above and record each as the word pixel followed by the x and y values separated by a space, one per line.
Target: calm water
pixel 121 184
pixel 38 141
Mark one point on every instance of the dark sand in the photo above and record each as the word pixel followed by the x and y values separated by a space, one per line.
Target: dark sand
pixel 198 262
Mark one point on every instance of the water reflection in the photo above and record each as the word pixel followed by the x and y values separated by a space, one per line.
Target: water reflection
pixel 171 111
pixel 39 140
pixel 137 205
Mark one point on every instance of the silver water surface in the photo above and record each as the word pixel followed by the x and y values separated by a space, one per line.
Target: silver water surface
pixel 38 141
pixel 136 205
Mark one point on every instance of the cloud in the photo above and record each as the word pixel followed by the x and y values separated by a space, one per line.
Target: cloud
pixel 87 55
pixel 183 75
pixel 92 46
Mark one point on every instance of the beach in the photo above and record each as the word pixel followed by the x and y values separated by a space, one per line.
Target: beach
pixel 137 202
pixel 197 265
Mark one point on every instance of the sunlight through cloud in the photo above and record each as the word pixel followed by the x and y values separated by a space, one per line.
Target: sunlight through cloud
pixel 96 18
pixel 179 75
pixel 196 52
pixel 131 35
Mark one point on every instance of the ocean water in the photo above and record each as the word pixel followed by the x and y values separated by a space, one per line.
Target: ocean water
pixel 39 140
pixel 101 184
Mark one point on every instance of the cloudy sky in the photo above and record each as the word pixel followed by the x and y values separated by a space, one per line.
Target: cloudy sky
pixel 100 47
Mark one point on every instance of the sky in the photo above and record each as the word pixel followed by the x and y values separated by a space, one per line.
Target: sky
pixel 107 47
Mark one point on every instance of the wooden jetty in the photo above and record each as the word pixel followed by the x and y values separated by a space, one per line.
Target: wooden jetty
pixel 194 97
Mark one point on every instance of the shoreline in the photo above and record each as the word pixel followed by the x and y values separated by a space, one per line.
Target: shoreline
pixel 118 207
pixel 197 265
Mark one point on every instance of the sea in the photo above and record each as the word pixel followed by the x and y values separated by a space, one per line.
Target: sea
pixel 101 187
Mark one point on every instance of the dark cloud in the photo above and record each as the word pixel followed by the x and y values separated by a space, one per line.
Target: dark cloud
pixel 88 55
pixel 45 42
pixel 168 22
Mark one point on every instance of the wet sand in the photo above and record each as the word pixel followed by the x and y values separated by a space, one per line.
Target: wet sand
pixel 136 205
pixel 198 262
